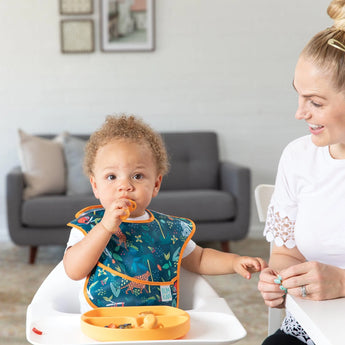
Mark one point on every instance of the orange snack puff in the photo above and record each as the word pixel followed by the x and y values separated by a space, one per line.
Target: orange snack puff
pixel 112 325
pixel 129 209
pixel 150 321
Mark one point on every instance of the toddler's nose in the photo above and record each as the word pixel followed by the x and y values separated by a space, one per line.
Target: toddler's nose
pixel 125 185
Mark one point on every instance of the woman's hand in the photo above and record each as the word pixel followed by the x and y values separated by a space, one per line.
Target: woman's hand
pixel 271 292
pixel 320 281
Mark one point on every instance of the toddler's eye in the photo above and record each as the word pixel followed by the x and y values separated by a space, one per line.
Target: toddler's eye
pixel 111 177
pixel 138 176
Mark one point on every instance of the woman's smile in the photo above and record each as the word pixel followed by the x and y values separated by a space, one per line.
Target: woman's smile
pixel 315 129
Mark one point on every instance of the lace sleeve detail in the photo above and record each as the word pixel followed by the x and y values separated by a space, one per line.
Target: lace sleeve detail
pixel 281 230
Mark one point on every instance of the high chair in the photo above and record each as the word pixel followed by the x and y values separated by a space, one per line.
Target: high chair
pixel 53 317
pixel 263 194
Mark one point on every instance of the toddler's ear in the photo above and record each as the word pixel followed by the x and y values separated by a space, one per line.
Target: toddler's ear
pixel 157 186
pixel 94 186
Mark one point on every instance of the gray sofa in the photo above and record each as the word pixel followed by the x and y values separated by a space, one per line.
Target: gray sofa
pixel 215 194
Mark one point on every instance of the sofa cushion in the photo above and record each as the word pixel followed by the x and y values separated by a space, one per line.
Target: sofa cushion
pixel 198 205
pixel 42 163
pixel 77 182
pixel 194 161
pixel 49 211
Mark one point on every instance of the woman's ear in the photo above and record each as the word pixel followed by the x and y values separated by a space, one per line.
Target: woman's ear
pixel 157 186
pixel 94 186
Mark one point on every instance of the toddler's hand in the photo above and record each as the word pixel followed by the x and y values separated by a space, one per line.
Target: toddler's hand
pixel 118 211
pixel 129 209
pixel 245 265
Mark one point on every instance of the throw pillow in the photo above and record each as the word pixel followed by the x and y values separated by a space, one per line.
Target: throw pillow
pixel 42 163
pixel 77 182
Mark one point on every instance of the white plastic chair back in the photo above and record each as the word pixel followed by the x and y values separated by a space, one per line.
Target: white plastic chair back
pixel 263 194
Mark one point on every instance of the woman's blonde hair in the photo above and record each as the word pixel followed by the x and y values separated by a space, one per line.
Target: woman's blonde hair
pixel 126 128
pixel 328 58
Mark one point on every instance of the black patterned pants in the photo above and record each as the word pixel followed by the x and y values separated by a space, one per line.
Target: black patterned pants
pixel 281 338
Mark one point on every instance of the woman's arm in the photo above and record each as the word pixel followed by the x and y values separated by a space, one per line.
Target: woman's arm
pixel 283 257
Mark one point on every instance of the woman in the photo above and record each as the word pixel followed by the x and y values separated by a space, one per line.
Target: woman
pixel 306 216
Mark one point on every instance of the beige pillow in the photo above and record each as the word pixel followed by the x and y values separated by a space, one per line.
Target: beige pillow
pixel 42 162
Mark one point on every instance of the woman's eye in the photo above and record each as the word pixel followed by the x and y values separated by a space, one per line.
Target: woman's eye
pixel 111 177
pixel 317 105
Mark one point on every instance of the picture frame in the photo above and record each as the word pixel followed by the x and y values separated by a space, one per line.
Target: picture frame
pixel 127 25
pixel 77 36
pixel 76 7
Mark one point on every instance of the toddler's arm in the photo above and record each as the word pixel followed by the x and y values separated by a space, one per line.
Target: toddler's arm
pixel 82 257
pixel 210 261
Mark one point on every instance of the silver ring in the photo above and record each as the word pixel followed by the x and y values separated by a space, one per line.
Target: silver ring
pixel 303 291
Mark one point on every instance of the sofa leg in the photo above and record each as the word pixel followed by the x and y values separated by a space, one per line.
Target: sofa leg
pixel 225 246
pixel 33 254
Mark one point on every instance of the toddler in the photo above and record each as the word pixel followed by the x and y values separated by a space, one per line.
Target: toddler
pixel 123 253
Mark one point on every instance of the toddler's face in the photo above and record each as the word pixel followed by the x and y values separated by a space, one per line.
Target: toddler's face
pixel 123 169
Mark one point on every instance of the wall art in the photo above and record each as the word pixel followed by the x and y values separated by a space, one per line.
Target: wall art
pixel 127 25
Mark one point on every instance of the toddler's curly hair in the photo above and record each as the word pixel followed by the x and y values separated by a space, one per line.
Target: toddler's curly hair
pixel 128 128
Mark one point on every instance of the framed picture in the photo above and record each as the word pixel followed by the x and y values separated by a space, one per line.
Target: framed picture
pixel 76 6
pixel 77 36
pixel 127 25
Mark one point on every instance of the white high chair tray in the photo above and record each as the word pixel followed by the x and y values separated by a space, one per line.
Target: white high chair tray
pixel 206 328
pixel 211 319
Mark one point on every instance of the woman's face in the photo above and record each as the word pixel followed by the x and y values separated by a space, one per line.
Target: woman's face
pixel 321 106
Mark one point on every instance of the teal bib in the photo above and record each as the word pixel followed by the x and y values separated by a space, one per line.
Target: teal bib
pixel 140 264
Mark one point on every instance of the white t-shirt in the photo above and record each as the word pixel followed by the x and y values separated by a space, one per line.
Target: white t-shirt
pixel 307 208
pixel 76 236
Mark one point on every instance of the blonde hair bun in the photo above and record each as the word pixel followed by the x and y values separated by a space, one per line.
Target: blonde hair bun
pixel 336 10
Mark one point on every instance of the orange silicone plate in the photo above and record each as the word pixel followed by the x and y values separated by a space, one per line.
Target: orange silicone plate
pixel 174 323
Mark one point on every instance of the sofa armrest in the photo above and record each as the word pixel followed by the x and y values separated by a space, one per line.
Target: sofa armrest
pixel 14 196
pixel 236 179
